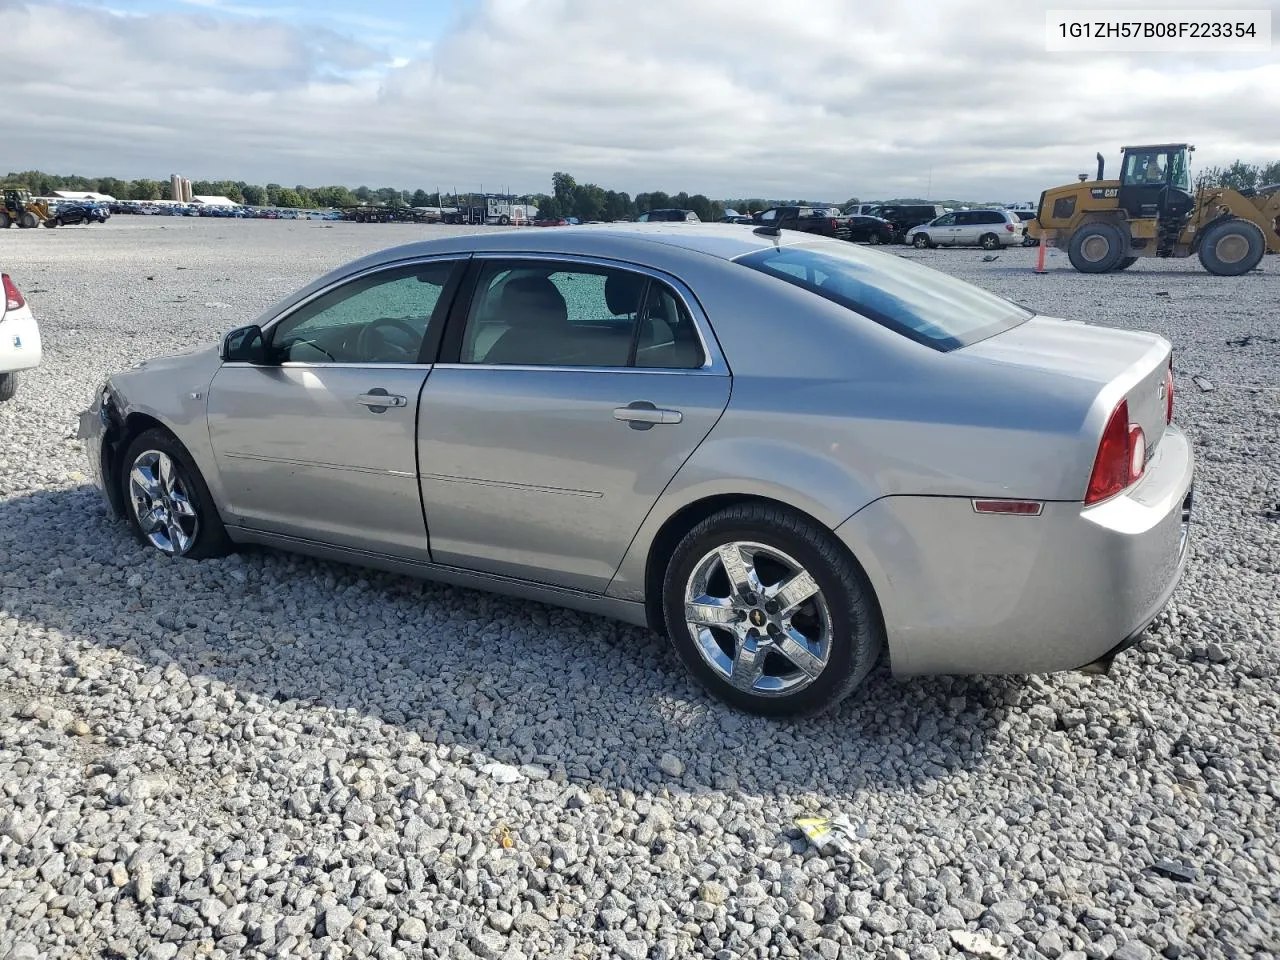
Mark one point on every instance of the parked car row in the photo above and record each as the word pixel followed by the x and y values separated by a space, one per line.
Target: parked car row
pixel 152 209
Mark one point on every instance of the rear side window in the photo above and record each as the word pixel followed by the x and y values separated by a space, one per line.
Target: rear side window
pixel 926 305
pixel 991 216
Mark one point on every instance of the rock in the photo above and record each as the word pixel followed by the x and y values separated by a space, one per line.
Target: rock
pixel 1132 950
pixel 336 921
pixel 1008 912
pixel 714 893
pixel 1050 944
pixel 671 765
pixel 412 930
pixel 882 924
pixel 143 883
pixel 978 945
pixel 502 773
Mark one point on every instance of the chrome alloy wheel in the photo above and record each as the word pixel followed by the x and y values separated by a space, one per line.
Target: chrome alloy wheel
pixel 164 511
pixel 758 618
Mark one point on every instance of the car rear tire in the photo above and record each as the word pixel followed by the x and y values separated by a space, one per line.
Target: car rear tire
pixel 167 503
pixel 1095 248
pixel 1232 248
pixel 920 241
pixel 989 241
pixel 799 630
pixel 8 386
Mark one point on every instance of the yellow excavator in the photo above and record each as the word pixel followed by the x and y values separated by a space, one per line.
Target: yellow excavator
pixel 19 208
pixel 1152 211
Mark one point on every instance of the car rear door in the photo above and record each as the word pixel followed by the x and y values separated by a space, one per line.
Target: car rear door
pixel 569 392
pixel 318 442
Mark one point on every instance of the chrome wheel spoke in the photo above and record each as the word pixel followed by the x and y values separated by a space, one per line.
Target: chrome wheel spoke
pixel 792 645
pixel 147 521
pixel 711 612
pixel 181 505
pixel 742 576
pixel 748 663
pixel 178 538
pixel 791 593
pixel 145 480
pixel 165 469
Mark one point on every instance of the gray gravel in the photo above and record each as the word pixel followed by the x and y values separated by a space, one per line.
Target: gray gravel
pixel 267 756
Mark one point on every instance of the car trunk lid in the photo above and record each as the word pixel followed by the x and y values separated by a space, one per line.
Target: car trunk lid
pixel 1120 364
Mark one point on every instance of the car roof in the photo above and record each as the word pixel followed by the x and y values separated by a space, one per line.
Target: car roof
pixel 725 241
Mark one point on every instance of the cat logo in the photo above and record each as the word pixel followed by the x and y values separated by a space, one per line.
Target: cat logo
pixel 1104 193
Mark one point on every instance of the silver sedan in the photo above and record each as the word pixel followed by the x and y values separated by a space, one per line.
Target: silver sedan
pixel 783 452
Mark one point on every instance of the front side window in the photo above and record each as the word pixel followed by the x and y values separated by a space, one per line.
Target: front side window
pixel 921 303
pixel 769 215
pixel 945 221
pixel 541 314
pixel 378 318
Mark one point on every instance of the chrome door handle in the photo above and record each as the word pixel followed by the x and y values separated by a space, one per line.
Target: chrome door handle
pixel 641 415
pixel 378 400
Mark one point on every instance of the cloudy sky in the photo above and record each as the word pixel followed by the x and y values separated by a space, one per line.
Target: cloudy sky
pixel 732 98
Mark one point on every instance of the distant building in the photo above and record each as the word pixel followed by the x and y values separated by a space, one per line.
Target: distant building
pixel 85 195
pixel 215 201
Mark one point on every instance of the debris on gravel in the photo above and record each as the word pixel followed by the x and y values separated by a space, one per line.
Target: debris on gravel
pixel 268 755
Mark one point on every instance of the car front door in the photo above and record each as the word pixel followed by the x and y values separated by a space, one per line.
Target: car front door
pixel 569 393
pixel 942 231
pixel 317 442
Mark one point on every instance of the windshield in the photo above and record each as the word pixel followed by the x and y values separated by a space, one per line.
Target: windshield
pixel 916 301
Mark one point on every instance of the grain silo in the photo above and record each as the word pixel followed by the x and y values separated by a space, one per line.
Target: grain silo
pixel 175 187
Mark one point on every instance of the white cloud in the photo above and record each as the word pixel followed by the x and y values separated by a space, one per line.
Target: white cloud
pixel 815 98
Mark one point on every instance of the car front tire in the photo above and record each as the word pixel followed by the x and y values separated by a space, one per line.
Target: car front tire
pixel 920 241
pixel 167 503
pixel 8 386
pixel 769 612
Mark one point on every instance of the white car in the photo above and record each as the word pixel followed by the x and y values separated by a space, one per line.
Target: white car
pixel 989 229
pixel 19 339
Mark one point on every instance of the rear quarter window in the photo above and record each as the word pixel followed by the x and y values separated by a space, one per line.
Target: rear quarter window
pixel 918 302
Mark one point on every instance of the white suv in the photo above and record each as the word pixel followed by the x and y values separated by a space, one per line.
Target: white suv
pixel 19 339
pixel 989 229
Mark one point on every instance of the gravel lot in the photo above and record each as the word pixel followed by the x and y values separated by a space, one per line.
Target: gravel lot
pixel 272 756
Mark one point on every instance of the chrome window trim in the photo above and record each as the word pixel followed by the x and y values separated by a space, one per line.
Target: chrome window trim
pixel 713 359
pixel 293 308
pixel 527 367
pixel 325 364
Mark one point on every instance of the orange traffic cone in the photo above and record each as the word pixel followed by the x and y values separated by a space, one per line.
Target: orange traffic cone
pixel 1044 242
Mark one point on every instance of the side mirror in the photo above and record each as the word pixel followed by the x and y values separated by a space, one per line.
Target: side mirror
pixel 245 345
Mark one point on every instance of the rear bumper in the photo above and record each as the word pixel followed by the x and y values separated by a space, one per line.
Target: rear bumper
pixel 20 345
pixel 963 592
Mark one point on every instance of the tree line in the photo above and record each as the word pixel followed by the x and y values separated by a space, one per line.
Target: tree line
pixel 568 198
pixel 1240 175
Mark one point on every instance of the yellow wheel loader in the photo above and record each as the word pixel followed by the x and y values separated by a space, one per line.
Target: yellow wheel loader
pixel 1152 211
pixel 19 208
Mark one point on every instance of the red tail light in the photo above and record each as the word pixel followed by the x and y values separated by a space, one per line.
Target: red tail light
pixel 1008 228
pixel 835 224
pixel 13 299
pixel 1122 456
pixel 1168 392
